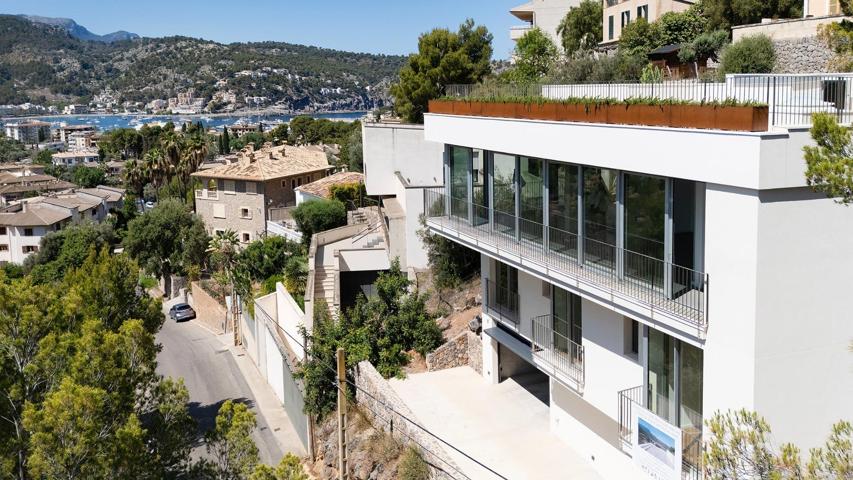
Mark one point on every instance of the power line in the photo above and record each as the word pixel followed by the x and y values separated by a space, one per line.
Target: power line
pixel 391 409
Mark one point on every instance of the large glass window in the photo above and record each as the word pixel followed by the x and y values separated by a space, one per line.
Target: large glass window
pixel 506 285
pixel 661 375
pixel 532 202
pixel 459 164
pixel 645 207
pixel 479 177
pixel 504 191
pixel 567 325
pixel 599 210
pixel 563 208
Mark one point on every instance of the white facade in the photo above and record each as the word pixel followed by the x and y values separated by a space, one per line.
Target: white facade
pixel 544 14
pixel 770 322
pixel 398 164
pixel 73 158
pixel 28 132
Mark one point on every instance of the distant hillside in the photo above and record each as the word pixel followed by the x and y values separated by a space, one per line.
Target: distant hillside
pixel 80 32
pixel 44 63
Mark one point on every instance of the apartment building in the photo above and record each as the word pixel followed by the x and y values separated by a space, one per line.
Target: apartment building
pixel 25 224
pixel 63 132
pixel 239 194
pixel 619 13
pixel 652 276
pixel 543 14
pixel 30 133
pixel 72 158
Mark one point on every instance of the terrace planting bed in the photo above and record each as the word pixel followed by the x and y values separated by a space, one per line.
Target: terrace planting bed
pixel 707 116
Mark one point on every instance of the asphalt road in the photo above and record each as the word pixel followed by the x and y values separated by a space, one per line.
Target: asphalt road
pixel 211 376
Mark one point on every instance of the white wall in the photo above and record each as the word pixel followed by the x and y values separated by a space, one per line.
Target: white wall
pixel 390 148
pixel 275 365
pixel 804 368
pixel 731 249
pixel 290 317
pixel 749 160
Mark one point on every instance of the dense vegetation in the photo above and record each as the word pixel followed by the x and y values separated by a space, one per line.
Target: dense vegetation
pixel 381 329
pixel 319 215
pixel 42 63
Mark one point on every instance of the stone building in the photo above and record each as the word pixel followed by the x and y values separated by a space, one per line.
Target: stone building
pixel 240 194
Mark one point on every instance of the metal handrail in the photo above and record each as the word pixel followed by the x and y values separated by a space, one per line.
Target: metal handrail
pixel 791 98
pixel 558 350
pixel 652 282
pixel 502 302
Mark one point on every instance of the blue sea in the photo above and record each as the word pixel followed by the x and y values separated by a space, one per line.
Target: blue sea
pixel 111 121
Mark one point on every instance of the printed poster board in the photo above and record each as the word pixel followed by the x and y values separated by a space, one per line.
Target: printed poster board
pixel 656 445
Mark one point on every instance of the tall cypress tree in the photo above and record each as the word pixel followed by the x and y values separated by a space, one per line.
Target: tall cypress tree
pixel 226 141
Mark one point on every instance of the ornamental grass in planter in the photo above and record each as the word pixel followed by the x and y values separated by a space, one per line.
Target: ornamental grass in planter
pixel 651 112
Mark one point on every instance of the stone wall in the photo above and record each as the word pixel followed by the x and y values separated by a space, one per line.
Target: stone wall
pixel 465 349
pixel 804 55
pixel 207 310
pixel 378 399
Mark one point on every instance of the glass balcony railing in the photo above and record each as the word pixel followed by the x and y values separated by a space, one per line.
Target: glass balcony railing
pixel 679 292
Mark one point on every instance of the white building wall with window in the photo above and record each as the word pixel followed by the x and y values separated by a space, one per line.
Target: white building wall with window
pixel 778 331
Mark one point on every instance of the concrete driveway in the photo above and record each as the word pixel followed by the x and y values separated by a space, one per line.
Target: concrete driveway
pixel 503 426
pixel 214 372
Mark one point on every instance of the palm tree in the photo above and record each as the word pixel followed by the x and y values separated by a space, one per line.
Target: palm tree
pixel 223 246
pixel 152 165
pixel 135 177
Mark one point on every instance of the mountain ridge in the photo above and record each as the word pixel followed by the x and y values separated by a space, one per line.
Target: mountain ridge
pixel 46 64
pixel 79 31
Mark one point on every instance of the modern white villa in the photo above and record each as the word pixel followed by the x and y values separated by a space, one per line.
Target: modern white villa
pixel 653 276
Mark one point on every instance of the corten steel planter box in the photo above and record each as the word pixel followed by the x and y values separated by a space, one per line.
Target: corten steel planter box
pixel 712 117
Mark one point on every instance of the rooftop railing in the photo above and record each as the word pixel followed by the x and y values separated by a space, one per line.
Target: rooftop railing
pixel 644 280
pixel 792 99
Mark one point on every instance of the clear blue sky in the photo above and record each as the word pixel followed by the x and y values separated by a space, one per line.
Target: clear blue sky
pixel 377 26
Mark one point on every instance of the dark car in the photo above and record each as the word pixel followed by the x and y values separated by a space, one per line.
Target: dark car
pixel 181 311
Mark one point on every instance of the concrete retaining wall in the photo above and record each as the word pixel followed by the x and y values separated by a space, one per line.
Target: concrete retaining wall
pixel 376 396
pixel 207 310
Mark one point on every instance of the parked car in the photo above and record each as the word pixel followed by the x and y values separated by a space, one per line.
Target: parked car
pixel 181 311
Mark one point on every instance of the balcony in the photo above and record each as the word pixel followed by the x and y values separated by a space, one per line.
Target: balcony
pixel 691 437
pixel 519 31
pixel 652 286
pixel 563 358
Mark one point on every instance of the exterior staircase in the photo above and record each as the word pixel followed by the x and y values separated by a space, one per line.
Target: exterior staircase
pixel 324 286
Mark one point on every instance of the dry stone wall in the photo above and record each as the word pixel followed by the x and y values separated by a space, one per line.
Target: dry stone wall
pixel 804 55
pixel 378 399
pixel 465 349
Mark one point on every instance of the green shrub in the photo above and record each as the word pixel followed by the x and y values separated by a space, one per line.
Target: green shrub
pixel 450 262
pixel 412 465
pixel 350 194
pixel 651 74
pixel 318 216
pixel 754 54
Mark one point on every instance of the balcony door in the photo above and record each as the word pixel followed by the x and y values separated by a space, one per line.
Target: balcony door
pixel 480 193
pixel 460 163
pixel 674 381
pixel 645 228
pixel 506 286
pixel 504 187
pixel 563 209
pixel 532 205
pixel 599 214
pixel 567 324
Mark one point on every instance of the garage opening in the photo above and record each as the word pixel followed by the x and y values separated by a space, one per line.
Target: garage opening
pixel 513 367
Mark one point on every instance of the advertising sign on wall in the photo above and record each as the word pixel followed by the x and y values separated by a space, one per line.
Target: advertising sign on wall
pixel 656 445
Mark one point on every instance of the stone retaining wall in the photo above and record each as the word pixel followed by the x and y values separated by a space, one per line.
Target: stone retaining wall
pixel 207 310
pixel 465 349
pixel 804 55
pixel 375 396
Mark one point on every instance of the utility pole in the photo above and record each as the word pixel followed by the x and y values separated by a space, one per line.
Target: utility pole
pixel 342 415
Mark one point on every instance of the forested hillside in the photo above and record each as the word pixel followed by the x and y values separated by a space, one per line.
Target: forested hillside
pixel 44 64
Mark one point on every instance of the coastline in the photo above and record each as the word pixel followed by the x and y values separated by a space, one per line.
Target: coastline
pixel 238 113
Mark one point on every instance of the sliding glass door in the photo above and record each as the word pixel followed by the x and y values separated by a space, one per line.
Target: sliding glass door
pixel 645 225
pixel 479 179
pixel 460 160
pixel 563 209
pixel 567 324
pixel 599 211
pixel 531 222
pixel 504 191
